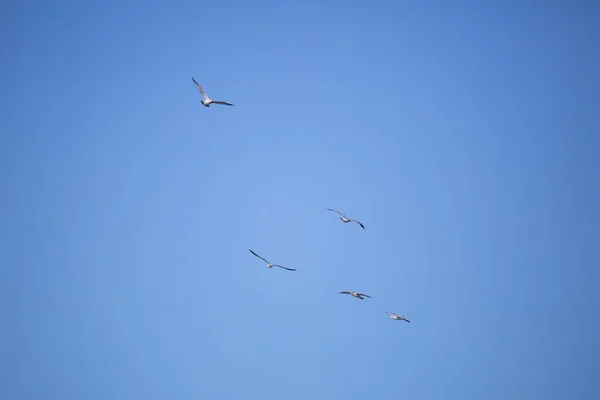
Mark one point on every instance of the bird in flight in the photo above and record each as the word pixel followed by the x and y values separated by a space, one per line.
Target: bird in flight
pixel 269 264
pixel 357 295
pixel 397 317
pixel 207 100
pixel 346 219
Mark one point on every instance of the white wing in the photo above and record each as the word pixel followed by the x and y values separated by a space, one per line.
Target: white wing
pixel 259 256
pixel 339 212
pixel 200 89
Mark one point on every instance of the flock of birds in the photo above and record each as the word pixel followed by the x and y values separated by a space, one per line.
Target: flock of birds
pixel 207 102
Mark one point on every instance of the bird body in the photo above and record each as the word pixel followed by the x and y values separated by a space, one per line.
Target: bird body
pixel 345 219
pixel 357 295
pixel 397 317
pixel 207 100
pixel 269 264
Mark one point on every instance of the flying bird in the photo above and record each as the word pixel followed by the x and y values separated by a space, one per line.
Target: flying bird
pixel 346 219
pixel 207 100
pixel 269 264
pixel 397 317
pixel 357 295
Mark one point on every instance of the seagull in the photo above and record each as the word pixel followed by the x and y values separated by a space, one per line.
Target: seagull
pixel 397 317
pixel 269 264
pixel 357 295
pixel 207 100
pixel 346 219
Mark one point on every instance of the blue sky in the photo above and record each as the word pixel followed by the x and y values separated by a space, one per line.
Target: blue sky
pixel 465 137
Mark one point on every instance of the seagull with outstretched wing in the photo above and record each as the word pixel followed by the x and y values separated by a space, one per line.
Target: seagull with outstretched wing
pixel 346 219
pixel 397 317
pixel 269 264
pixel 357 295
pixel 207 100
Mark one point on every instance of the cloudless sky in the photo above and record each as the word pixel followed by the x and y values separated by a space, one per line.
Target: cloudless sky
pixel 464 135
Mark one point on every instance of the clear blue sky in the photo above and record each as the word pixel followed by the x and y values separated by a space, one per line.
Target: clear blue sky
pixel 464 135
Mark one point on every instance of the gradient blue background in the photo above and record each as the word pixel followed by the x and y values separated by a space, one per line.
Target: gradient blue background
pixel 464 135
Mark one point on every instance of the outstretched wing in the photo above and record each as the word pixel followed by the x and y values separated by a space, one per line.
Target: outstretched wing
pixel 345 293
pixel 391 313
pixel 281 266
pixel 358 222
pixel 259 256
pixel 222 102
pixel 341 213
pixel 365 295
pixel 200 89
pixel 405 319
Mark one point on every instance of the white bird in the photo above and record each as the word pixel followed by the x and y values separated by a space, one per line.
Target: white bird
pixel 346 219
pixel 269 264
pixel 397 317
pixel 207 100
pixel 357 295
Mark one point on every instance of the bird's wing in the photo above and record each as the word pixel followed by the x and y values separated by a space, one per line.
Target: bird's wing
pixel 222 102
pixel 366 295
pixel 259 256
pixel 281 266
pixel 358 222
pixel 391 313
pixel 200 89
pixel 345 293
pixel 406 320
pixel 341 213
